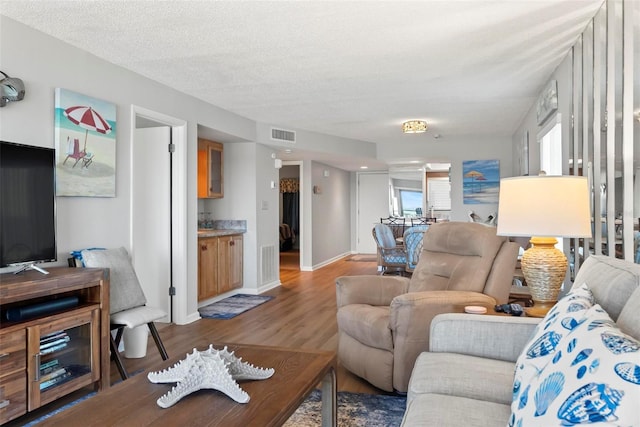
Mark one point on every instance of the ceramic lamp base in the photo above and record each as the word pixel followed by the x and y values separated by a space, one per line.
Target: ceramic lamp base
pixel 544 268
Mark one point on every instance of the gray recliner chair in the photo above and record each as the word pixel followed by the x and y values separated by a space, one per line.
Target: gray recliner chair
pixel 383 321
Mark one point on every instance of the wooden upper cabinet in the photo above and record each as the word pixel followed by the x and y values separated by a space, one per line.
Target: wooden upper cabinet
pixel 210 169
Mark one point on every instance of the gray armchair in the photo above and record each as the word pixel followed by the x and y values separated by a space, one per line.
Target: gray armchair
pixel 383 321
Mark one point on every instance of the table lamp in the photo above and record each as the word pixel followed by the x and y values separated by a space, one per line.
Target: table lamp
pixel 544 207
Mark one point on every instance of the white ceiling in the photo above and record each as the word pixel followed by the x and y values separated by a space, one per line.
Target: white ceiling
pixel 355 69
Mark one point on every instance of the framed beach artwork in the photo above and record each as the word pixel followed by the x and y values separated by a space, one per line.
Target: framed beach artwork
pixel 85 137
pixel 481 181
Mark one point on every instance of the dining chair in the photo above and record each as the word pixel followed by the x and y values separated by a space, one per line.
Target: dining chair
pixel 413 238
pixel 127 302
pixel 392 258
pixel 397 226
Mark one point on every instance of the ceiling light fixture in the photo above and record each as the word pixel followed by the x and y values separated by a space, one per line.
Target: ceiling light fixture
pixel 414 126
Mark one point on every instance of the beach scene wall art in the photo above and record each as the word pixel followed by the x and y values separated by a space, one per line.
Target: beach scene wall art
pixel 481 181
pixel 85 138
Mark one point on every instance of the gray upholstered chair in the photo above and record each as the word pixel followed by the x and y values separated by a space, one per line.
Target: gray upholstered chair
pixel 126 300
pixel 391 256
pixel 383 321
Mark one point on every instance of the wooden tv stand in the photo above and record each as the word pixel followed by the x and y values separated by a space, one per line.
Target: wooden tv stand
pixel 45 357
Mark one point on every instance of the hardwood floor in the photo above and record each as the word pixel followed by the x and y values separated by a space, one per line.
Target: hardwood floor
pixel 302 315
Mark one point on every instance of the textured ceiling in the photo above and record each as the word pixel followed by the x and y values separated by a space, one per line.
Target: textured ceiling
pixel 350 69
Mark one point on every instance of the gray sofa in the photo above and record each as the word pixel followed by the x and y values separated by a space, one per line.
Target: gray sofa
pixel 467 376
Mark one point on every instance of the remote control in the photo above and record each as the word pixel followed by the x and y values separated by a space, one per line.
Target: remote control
pixel 513 309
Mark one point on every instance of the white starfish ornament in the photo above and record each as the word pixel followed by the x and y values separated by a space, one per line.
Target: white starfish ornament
pixel 209 369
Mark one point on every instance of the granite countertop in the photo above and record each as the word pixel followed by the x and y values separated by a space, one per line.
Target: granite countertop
pixel 224 228
pixel 212 232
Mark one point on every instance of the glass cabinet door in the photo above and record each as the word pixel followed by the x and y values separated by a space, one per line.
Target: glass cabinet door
pixel 62 356
pixel 215 170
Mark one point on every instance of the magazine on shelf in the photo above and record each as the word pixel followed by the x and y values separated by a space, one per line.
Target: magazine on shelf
pixel 57 380
pixel 49 366
pixel 52 337
pixel 70 372
pixel 53 374
pixel 53 349
pixel 54 343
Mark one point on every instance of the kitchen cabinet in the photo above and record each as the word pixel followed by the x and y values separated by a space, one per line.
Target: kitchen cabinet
pixel 219 265
pixel 210 169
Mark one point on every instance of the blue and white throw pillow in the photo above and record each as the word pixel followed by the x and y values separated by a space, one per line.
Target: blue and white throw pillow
pixel 593 378
pixel 560 321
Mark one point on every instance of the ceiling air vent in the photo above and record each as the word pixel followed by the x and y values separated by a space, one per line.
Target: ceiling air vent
pixel 283 135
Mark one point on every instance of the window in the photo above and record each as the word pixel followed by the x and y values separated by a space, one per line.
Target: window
pixel 439 191
pixel 551 151
pixel 410 200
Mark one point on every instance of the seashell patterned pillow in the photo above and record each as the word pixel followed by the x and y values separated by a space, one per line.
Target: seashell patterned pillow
pixel 592 377
pixel 559 321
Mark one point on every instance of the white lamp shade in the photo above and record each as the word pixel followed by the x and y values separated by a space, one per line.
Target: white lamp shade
pixel 549 206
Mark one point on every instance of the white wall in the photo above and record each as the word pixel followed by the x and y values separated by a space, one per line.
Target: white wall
pixel 331 208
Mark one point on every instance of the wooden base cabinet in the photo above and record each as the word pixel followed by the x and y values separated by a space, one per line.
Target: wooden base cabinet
pixel 220 265
pixel 47 355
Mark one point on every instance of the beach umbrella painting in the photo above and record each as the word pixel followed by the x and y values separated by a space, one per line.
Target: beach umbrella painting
pixel 474 175
pixel 480 178
pixel 89 119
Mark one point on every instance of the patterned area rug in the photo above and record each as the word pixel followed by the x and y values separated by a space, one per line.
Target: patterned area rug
pixel 229 308
pixel 354 410
pixel 362 258
pixel 45 417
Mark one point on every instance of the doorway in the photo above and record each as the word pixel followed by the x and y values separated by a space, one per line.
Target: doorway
pixel 290 218
pixel 150 207
pixel 164 196
pixel 372 204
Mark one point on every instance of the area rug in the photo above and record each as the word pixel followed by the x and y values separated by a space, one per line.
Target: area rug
pixel 45 417
pixel 229 308
pixel 354 410
pixel 362 258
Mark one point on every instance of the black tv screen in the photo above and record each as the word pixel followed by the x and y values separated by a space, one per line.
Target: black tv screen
pixel 27 204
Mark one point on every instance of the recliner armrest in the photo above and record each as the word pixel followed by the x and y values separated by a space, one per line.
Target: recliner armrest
pixel 369 289
pixel 494 337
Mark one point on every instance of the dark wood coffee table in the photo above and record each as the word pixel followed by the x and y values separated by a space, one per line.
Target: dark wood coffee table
pixel 273 401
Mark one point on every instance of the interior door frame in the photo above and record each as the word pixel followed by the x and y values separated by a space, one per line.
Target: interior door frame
pixel 179 249
pixel 363 226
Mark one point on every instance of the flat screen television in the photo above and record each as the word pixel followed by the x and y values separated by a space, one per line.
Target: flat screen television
pixel 27 205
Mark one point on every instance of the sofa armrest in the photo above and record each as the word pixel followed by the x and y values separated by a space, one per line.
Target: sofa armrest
pixel 369 289
pixel 494 337
pixel 410 320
